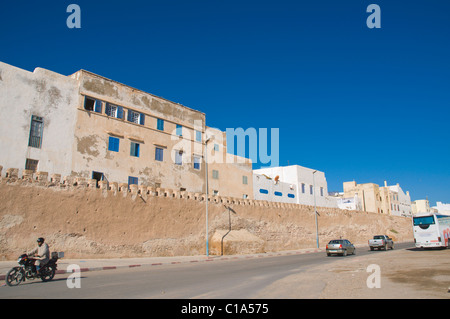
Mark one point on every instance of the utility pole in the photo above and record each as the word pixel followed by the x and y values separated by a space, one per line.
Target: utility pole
pixel 315 209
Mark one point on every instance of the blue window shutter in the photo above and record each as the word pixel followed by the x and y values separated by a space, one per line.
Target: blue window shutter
pixel 98 106
pixel 113 144
pixel 120 112
pixel 134 149
pixel 159 154
pixel 129 115
pixel 142 119
pixel 160 124
pixel 132 180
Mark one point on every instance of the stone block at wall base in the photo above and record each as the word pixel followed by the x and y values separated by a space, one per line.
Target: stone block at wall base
pixel 235 242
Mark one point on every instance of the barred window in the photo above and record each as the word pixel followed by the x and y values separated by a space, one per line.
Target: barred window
pixel 36 131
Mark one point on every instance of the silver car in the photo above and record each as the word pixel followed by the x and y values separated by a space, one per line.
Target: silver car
pixel 340 247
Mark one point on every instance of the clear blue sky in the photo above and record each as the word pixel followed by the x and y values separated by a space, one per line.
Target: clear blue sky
pixel 359 104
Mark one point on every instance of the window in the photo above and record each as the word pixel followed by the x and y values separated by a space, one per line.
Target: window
pixel 425 220
pixel 31 164
pixel 244 180
pixel 133 180
pixel 98 176
pixel 278 194
pixel 215 174
pixel 263 191
pixel 134 149
pixel 198 136
pixel 215 192
pixel 311 189
pixel 178 157
pixel 113 144
pixel 36 131
pixel 160 124
pixel 114 111
pixel 91 104
pixel 321 191
pixel 136 117
pixel 179 131
pixel 159 154
pixel 291 195
pixel 303 188
pixel 216 147
pixel 197 161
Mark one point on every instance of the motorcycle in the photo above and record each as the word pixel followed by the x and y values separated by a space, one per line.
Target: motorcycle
pixel 27 270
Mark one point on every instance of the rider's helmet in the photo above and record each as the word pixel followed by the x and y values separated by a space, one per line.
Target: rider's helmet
pixel 40 240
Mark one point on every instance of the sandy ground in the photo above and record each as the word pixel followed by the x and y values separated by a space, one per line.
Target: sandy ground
pixel 404 274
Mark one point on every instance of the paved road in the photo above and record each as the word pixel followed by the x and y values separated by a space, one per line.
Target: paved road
pixel 236 279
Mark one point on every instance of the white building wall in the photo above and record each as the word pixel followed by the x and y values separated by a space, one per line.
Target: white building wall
pixel 404 200
pixel 442 208
pixel 42 93
pixel 349 203
pixel 268 189
pixel 303 180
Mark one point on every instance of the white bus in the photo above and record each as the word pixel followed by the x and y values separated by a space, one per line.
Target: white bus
pixel 431 231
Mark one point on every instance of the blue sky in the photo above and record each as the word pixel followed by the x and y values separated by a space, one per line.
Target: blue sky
pixel 359 104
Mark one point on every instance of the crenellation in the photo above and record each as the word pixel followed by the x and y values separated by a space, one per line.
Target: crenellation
pixel 55 178
pixel 71 182
pixel 27 175
pixel 41 176
pixel 92 183
pixel 123 187
pixel 12 173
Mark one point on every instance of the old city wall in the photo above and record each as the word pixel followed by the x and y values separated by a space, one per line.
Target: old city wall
pixel 86 220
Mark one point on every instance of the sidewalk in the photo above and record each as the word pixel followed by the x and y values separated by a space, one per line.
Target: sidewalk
pixel 115 263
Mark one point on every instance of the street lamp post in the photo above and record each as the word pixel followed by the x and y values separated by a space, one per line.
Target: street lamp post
pixel 315 209
pixel 207 199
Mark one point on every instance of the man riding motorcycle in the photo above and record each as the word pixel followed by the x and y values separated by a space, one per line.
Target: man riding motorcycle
pixel 41 254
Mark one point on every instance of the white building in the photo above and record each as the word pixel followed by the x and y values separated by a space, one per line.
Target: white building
pixel 292 184
pixel 442 208
pixel 33 103
pixel 273 190
pixel 348 203
pixel 400 201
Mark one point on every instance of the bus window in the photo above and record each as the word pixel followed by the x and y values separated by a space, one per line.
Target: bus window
pixel 425 220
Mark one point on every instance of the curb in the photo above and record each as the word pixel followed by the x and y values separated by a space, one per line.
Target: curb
pixel 217 258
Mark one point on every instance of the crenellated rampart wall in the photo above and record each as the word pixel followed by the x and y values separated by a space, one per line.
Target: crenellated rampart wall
pixel 108 219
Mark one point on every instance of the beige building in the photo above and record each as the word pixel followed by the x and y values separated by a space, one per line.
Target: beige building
pixel 86 125
pixel 228 175
pixel 422 206
pixel 389 200
pixel 368 194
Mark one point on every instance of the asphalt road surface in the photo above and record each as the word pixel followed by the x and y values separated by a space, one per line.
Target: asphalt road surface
pixel 227 279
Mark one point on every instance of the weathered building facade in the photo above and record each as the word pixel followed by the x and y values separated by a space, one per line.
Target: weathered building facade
pixel 85 125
